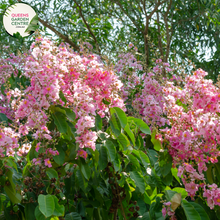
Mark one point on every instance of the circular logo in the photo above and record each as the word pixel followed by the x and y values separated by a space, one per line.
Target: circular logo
pixel 20 18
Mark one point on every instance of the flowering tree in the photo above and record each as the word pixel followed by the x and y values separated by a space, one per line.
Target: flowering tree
pixel 75 141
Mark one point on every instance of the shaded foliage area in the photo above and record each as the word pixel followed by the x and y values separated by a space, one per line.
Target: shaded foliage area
pixel 173 30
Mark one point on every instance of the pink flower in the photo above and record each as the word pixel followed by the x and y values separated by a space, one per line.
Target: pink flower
pixel 47 136
pixel 37 146
pixel 36 161
pixel 82 154
pixel 164 211
pixel 191 188
pixel 180 171
pixel 47 162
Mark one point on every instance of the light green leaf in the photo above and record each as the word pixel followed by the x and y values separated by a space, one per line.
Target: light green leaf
pixel 121 115
pixel 180 190
pixel 38 214
pixel 156 142
pixel 46 204
pixel 141 125
pixel 59 209
pixel 139 180
pixel 130 134
pixel 123 140
pixel 134 161
pixel 145 160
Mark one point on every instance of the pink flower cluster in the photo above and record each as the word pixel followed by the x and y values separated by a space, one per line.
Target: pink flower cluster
pixel 8 142
pixel 194 135
pixel 212 194
pixel 168 211
pixel 149 102
pixel 86 84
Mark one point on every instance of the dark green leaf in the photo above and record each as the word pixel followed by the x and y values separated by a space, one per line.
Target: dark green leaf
pixel 103 158
pixel 111 149
pixel 59 159
pixel 190 211
pixel 73 216
pixel 60 122
pixel 52 173
pixel 200 210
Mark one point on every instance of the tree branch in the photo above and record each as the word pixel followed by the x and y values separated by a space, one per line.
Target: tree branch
pixel 88 27
pixel 64 37
pixel 159 37
pixel 168 31
pixel 155 9
pixel 132 20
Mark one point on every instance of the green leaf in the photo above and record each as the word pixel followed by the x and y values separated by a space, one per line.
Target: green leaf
pixel 145 160
pixel 156 142
pixel 60 122
pixel 32 27
pixel 52 173
pixel 84 167
pixel 111 149
pixel 183 192
pixel 139 180
pixel 70 114
pixel 134 161
pixel 123 140
pixel 98 122
pixel 174 173
pixel 46 204
pixel 38 214
pixel 31 153
pixel 73 216
pixel 59 209
pixel 11 193
pixel 3 89
pixel 106 102
pixel 141 125
pixel 130 134
pixel 3 118
pixel 121 115
pixel 200 210
pixel 153 156
pixel 115 124
pixel 29 211
pixel 165 162
pixel 169 194
pixel 59 159
pixel 209 174
pixel 146 216
pixel 103 158
pixel 190 211
pixel 80 180
pixel 33 24
pixel 62 97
